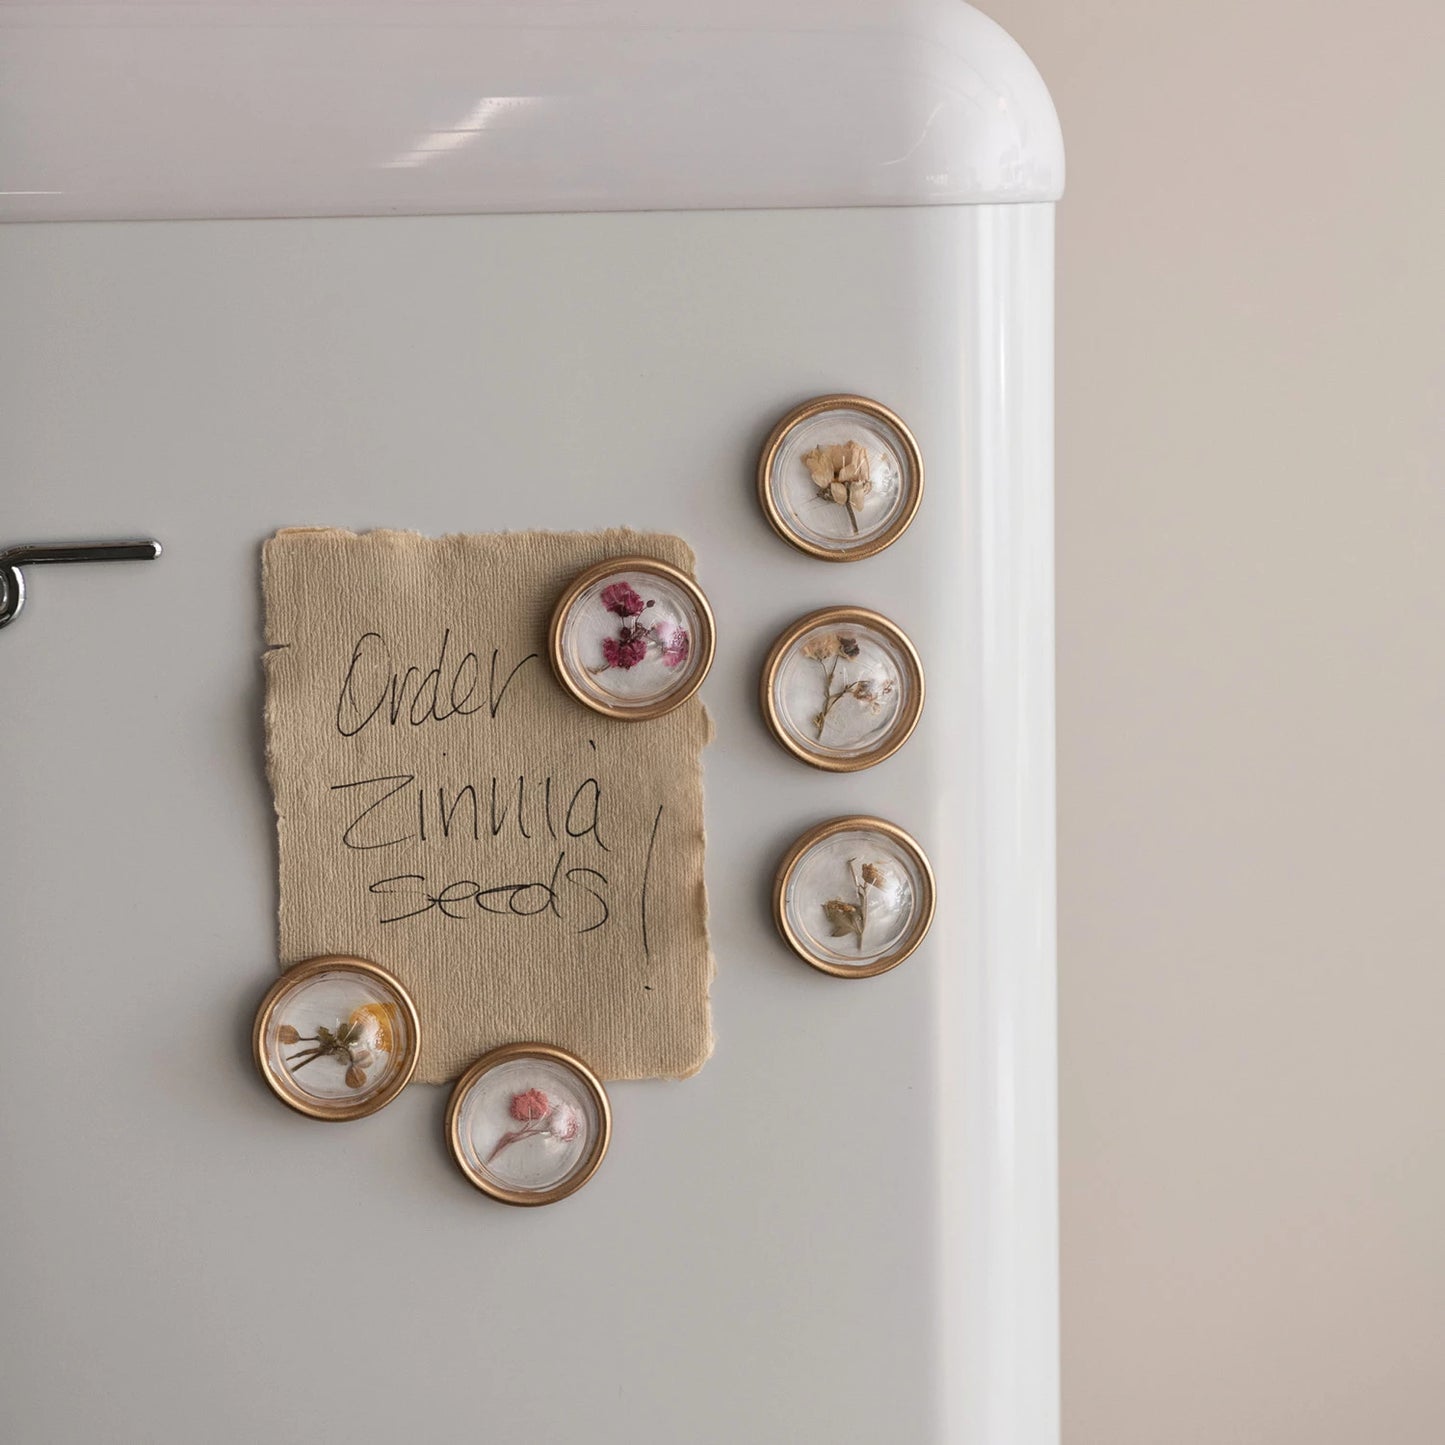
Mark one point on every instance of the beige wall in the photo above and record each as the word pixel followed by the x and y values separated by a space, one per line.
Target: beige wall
pixel 1251 718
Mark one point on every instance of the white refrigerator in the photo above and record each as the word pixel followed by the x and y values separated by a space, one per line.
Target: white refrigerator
pixel 419 265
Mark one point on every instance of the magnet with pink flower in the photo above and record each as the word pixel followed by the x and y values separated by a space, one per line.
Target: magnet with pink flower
pixel 529 1123
pixel 632 638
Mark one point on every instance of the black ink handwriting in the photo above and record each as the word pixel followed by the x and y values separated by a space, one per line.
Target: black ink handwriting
pixel 373 687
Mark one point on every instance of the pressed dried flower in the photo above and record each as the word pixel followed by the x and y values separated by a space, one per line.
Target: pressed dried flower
pixel 841 474
pixel 347 1045
pixel 530 1105
pixel 851 919
pixel 625 651
pixel 846 919
pixel 634 640
pixel 539 1118
pixel 842 463
pixel 830 651
pixel 674 654
pixel 564 1124
pixel 623 599
pixel 872 692
pixel 674 642
pixel 377 1024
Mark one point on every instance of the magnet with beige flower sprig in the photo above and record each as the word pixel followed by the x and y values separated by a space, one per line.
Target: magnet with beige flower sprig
pixel 842 688
pixel 840 477
pixel 337 1037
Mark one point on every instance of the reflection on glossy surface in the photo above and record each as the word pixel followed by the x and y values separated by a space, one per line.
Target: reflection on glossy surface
pixel 400 108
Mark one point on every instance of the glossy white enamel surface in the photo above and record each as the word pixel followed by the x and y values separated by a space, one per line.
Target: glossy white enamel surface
pixel 842 1231
pixel 229 108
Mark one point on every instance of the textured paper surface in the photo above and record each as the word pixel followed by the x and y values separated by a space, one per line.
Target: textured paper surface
pixel 531 870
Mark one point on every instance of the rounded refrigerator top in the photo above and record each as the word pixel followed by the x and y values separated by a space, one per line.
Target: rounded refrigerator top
pixel 143 110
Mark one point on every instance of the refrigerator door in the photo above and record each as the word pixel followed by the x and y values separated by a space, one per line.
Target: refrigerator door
pixel 843 1228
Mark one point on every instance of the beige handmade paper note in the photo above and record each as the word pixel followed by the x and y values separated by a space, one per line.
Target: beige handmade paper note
pixel 531 870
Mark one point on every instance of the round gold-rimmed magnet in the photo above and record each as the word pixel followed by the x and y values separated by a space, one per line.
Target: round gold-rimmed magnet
pixel 632 638
pixel 336 1038
pixel 840 477
pixel 529 1124
pixel 842 689
pixel 854 896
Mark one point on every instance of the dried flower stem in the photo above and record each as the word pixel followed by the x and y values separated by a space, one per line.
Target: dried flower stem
pixel 527 1131
pixel 862 888
pixel 830 698
pixel 347 1045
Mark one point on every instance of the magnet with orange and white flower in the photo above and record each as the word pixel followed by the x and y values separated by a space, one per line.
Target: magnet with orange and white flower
pixel 528 1124
pixel 632 638
pixel 336 1038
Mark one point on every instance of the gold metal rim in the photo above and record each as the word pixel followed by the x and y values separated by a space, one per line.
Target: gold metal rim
pixel 805 412
pixel 583 1172
pixel 923 917
pixel 907 718
pixel 706 643
pixel 338 1112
